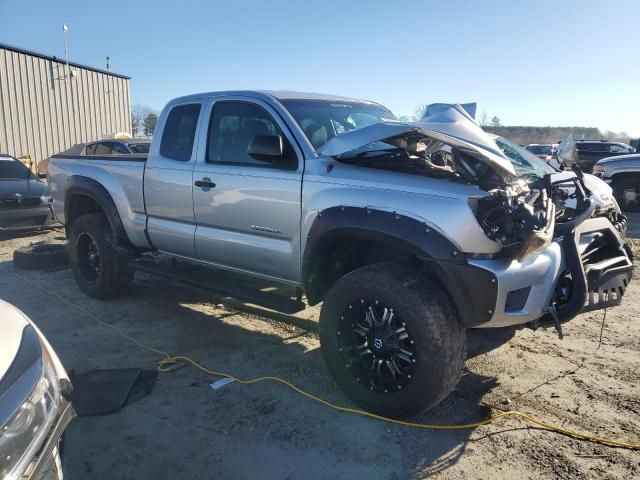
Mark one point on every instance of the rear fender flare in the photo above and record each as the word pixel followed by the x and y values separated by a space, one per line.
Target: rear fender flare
pixel 81 185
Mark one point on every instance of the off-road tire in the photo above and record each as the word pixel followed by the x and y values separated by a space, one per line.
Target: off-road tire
pixel 114 275
pixel 622 184
pixel 439 342
pixel 41 256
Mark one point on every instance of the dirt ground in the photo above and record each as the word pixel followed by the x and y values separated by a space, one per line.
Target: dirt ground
pixel 186 430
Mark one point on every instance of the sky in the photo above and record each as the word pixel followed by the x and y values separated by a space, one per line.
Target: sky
pixel 558 63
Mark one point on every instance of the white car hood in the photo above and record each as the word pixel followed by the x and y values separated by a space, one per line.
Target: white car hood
pixel 451 125
pixel 12 324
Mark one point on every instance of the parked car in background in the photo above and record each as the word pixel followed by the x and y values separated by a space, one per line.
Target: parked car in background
pixel 623 174
pixel 545 151
pixel 117 147
pixel 34 400
pixel 409 233
pixel 24 198
pixel 590 151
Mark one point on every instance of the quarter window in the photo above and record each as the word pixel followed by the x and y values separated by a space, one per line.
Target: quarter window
pixel 118 148
pixel 103 148
pixel 180 132
pixel 232 127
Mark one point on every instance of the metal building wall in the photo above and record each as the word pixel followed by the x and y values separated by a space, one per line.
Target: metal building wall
pixel 47 107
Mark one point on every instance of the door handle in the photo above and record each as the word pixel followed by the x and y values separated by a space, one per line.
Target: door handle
pixel 205 183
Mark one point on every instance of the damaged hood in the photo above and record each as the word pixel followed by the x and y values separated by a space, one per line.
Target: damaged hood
pixel 448 123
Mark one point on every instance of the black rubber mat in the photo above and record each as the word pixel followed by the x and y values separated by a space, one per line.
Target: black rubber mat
pixel 99 392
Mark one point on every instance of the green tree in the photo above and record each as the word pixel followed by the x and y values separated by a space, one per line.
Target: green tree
pixel 495 122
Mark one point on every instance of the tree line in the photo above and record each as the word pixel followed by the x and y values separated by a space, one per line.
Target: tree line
pixel 143 120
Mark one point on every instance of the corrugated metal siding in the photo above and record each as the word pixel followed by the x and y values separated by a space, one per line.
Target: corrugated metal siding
pixel 44 111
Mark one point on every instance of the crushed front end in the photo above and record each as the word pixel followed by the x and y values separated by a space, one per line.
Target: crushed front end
pixel 563 250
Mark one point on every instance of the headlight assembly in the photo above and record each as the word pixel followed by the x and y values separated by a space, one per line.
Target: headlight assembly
pixel 24 433
pixel 539 239
pixel 598 170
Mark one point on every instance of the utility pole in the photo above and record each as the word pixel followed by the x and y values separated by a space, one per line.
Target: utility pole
pixel 65 29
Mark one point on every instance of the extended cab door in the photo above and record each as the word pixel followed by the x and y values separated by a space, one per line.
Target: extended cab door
pixel 247 211
pixel 168 180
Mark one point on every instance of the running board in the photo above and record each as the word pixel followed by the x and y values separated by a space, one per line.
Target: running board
pixel 229 285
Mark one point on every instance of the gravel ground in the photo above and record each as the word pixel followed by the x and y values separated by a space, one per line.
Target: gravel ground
pixel 186 430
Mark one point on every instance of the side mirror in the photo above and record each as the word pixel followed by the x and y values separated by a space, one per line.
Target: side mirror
pixel 42 175
pixel 266 148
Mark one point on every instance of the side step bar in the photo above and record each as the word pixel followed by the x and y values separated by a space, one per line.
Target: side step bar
pixel 226 285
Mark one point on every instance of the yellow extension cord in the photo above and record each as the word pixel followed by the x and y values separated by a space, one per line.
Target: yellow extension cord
pixel 170 360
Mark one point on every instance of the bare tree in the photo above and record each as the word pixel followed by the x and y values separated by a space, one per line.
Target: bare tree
pixel 420 111
pixel 484 118
pixel 138 115
pixel 135 124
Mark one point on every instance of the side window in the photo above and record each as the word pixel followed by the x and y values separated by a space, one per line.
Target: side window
pixel 90 149
pixel 180 132
pixel 232 127
pixel 118 148
pixel 614 148
pixel 103 148
pixel 588 147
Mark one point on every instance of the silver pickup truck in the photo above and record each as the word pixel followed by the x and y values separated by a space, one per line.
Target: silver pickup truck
pixel 409 233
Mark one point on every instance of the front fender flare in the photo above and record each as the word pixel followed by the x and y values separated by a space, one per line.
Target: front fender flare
pixel 472 289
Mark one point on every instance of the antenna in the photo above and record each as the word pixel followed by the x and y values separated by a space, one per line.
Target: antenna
pixel 108 64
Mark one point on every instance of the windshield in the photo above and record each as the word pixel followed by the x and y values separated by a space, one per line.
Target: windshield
pixel 139 147
pixel 11 168
pixel 321 120
pixel 525 163
pixel 540 149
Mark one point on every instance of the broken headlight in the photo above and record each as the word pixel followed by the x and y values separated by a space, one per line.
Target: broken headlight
pixel 22 436
pixel 539 239
pixel 521 223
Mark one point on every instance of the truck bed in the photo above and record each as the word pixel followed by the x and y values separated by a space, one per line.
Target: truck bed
pixel 122 177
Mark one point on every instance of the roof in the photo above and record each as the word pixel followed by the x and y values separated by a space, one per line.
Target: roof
pixel 11 48
pixel 274 94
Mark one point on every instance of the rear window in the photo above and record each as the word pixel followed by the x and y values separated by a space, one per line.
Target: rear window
pixel 180 132
pixel 540 149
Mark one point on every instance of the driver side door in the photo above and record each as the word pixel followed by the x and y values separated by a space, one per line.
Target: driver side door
pixel 247 212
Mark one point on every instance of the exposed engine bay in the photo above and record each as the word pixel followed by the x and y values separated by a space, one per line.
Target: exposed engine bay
pixel 522 213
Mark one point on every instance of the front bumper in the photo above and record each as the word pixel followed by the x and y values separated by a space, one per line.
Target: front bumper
pixel 26 218
pixel 47 464
pixel 591 263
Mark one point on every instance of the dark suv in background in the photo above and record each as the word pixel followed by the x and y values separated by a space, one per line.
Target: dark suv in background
pixel 590 151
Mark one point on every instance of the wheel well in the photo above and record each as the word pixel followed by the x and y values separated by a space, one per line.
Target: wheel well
pixel 80 204
pixel 338 255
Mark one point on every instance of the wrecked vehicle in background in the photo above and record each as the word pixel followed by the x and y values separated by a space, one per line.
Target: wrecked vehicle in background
pixel 409 233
